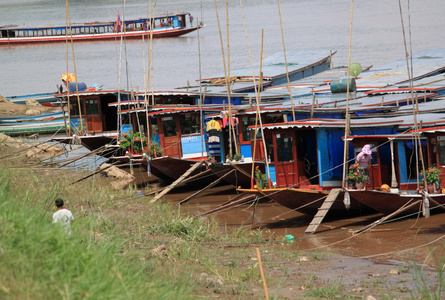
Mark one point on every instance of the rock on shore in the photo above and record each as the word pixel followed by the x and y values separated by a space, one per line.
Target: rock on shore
pixel 36 150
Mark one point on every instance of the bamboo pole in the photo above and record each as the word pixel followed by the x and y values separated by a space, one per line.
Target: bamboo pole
pixel 263 279
pixel 285 62
pixel 416 127
pixel 238 200
pixel 231 126
pixel 226 77
pixel 207 187
pixel 345 150
pixel 258 98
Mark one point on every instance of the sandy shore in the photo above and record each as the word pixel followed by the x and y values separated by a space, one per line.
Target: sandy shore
pixel 8 109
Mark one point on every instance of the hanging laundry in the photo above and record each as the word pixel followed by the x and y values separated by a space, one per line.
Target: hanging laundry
pixel 225 118
pixel 213 124
pixel 213 129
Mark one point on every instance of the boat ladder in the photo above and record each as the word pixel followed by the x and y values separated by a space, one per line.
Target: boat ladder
pixel 322 211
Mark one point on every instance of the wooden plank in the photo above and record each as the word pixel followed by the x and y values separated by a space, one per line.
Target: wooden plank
pixel 207 187
pixel 181 183
pixel 228 205
pixel 177 181
pixel 322 211
pixel 240 170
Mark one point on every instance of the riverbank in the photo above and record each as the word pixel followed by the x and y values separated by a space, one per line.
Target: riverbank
pixel 8 109
pixel 124 247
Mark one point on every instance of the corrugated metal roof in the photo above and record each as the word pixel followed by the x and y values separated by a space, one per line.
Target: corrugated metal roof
pixel 424 62
pixel 274 65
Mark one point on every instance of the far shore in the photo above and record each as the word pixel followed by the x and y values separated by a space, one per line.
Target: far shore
pixel 8 109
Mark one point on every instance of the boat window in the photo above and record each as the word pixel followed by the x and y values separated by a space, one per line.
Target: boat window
pixel 154 129
pixel 410 159
pixel 189 123
pixel 284 149
pixel 169 126
pixel 274 118
pixel 92 106
pixel 441 149
pixel 74 108
pixel 270 150
pixel 245 123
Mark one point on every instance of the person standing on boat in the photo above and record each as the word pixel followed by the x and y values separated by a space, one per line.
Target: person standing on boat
pixel 191 20
pixel 63 216
pixel 64 87
pixel 364 159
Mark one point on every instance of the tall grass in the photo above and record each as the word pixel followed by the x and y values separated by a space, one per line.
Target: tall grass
pixel 39 261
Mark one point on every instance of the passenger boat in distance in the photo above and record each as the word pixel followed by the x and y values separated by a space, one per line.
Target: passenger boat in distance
pixel 168 25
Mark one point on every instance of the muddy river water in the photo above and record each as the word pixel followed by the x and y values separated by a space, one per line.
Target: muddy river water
pixel 397 240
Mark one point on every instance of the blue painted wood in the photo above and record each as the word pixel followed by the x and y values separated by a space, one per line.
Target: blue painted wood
pixel 273 176
pixel 403 170
pixel 246 151
pixel 191 144
pixel 323 155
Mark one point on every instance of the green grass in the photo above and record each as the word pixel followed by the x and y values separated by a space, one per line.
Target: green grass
pixel 326 291
pixel 39 261
pixel 110 252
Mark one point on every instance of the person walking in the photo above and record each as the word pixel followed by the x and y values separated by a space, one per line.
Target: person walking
pixel 63 216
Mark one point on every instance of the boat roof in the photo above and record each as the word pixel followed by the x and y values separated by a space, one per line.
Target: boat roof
pixel 402 122
pixel 274 65
pixel 422 64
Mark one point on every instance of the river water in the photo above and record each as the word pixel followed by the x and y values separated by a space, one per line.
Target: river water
pixel 397 240
pixel 307 24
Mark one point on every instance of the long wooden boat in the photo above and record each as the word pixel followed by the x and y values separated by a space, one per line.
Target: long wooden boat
pixel 38 118
pixel 27 128
pixel 308 201
pixel 169 25
pixel 240 177
pixel 387 203
pixel 171 168
pixel 46 99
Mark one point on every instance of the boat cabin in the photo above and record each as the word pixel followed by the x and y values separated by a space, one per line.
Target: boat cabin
pixel 93 107
pixel 176 129
pixel 436 150
pixel 393 159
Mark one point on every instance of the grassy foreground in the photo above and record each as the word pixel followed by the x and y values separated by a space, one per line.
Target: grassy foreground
pixel 122 247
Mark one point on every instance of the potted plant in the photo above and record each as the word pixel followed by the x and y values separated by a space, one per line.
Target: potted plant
pixel 260 178
pixel 154 150
pixel 432 177
pixel 237 156
pixel 125 140
pixel 357 175
pixel 133 142
pixel 350 180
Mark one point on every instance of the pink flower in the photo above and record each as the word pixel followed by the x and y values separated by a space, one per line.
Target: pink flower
pixel 136 139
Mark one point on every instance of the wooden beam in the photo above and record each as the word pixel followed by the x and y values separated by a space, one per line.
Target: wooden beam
pixel 181 183
pixel 177 181
pixel 207 187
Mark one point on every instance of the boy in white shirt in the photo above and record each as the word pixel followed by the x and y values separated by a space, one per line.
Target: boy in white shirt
pixel 63 216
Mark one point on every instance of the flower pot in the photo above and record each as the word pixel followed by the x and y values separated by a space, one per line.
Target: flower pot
pixel 360 186
pixel 135 151
pixel 350 185
pixel 432 188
